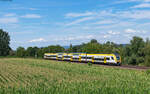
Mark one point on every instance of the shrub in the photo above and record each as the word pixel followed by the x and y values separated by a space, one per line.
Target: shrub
pixel 148 72
pixel 147 60
pixel 89 64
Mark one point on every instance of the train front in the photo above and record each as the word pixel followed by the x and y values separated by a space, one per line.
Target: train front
pixel 118 59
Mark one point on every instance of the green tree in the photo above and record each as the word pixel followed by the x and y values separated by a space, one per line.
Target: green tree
pixel 20 52
pixel 55 49
pixel 137 44
pixel 4 43
pixel 92 47
pixel 77 48
pixel 147 52
pixel 32 51
pixel 40 52
pixel 70 49
pixel 108 47
pixel 94 41
pixel 29 51
pixel 134 51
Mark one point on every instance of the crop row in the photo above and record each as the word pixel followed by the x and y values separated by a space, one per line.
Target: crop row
pixel 45 77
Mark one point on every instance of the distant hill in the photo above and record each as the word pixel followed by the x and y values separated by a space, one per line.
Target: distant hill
pixel 124 45
pixel 66 47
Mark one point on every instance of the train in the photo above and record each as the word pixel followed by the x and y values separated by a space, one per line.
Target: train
pixel 84 57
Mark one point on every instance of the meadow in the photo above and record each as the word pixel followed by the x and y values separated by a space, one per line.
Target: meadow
pixel 37 76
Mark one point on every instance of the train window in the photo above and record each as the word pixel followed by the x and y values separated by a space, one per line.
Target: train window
pixel 75 58
pixel 118 58
pixel 52 56
pixel 67 56
pixel 100 59
pixel 112 58
pixel 75 54
pixel 83 57
pixel 47 56
pixel 89 57
pixel 107 58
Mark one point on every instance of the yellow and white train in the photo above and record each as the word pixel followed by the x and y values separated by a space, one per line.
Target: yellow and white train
pixel 83 57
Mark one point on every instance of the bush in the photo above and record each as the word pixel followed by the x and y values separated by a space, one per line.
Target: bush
pixel 147 61
pixel 148 72
pixel 132 60
pixel 125 60
pixel 89 64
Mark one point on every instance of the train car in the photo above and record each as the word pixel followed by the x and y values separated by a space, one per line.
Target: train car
pixel 69 57
pixel 50 56
pixel 60 56
pixel 101 58
pixel 76 56
pixel 65 56
pixel 83 57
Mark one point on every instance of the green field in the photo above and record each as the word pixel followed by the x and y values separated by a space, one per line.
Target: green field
pixel 35 76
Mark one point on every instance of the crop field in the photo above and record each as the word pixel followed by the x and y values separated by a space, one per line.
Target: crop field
pixel 37 76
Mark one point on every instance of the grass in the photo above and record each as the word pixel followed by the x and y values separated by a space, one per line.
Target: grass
pixel 36 76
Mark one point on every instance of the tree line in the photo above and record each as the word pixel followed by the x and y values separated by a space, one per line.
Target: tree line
pixel 4 43
pixel 137 52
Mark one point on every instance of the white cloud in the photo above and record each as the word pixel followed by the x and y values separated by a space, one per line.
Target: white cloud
pixel 138 0
pixel 31 16
pixel 32 9
pixel 106 36
pixel 74 38
pixel 147 0
pixel 110 17
pixel 130 31
pixel 72 15
pixel 90 16
pixel 10 14
pixel 80 20
pixel 38 40
pixel 143 5
pixel 136 14
pixel 104 22
pixel 113 33
pixel 23 8
pixel 8 20
pixel 105 13
pixel 80 37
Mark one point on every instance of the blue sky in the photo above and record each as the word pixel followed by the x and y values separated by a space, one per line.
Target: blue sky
pixel 46 22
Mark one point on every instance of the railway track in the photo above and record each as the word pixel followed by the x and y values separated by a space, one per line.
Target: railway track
pixel 134 67
pixel 122 66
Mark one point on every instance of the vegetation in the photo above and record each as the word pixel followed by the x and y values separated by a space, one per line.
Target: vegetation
pixel 38 52
pixel 137 52
pixel 4 43
pixel 35 76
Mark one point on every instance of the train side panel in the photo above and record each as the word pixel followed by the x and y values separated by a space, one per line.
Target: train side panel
pixel 50 56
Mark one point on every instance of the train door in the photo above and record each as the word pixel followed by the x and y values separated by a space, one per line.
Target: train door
pixel 79 58
pixel 71 58
pixel 92 59
pixel 105 60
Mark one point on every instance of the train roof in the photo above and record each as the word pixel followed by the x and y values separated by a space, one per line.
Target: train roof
pixel 116 54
